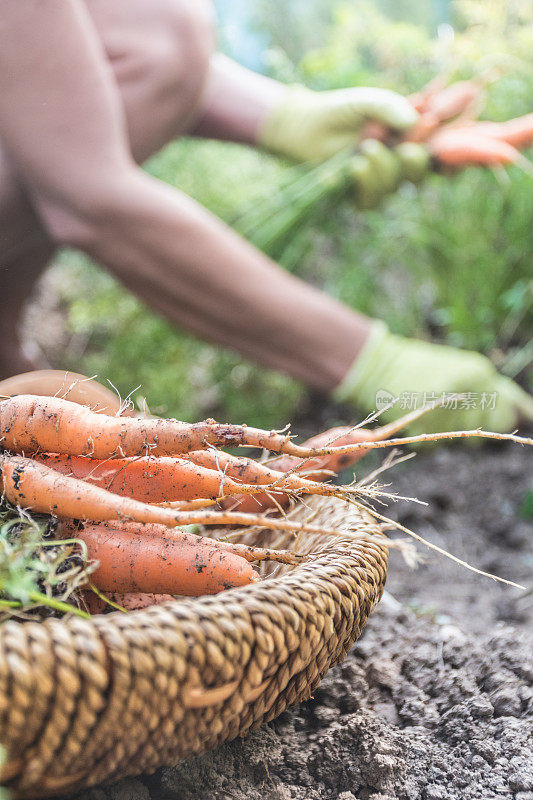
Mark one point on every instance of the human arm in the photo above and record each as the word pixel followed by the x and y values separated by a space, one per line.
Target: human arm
pixel 243 106
pixel 165 247
pixel 72 154
pixel 303 125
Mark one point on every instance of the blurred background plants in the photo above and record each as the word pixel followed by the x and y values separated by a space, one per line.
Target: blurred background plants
pixel 450 261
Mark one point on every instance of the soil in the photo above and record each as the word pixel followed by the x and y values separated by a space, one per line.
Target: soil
pixel 435 701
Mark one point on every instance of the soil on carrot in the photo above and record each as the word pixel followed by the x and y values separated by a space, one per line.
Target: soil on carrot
pixel 435 701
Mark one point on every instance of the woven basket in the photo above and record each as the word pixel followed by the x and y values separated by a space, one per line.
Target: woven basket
pixel 87 701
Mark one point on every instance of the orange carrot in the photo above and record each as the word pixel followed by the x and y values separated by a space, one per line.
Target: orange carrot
pixel 319 467
pixel 453 100
pixel 152 480
pixel 517 132
pixel 29 424
pixel 420 99
pixel 165 480
pixel 61 383
pixel 426 124
pixel 316 467
pixel 134 601
pixel 273 474
pixel 176 563
pixel 436 103
pixel 457 147
pixel 33 486
pixel 248 552
pixel 130 601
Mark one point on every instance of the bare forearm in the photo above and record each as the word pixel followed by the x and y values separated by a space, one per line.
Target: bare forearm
pixel 235 102
pixel 192 268
pixel 173 253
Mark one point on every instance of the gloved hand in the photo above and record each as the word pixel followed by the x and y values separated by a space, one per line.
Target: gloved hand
pixel 314 126
pixel 377 170
pixel 419 372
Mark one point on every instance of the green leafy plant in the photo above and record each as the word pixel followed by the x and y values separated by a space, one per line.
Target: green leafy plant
pixel 526 508
pixel 37 571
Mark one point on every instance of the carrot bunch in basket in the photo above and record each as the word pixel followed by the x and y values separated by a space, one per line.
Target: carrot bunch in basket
pixel 127 486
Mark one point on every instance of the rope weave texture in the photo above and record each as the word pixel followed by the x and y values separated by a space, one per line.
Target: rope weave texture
pixel 87 701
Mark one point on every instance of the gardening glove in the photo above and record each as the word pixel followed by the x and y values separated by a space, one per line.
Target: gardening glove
pixel 418 373
pixel 376 170
pixel 314 126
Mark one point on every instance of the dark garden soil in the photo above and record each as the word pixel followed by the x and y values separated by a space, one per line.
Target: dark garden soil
pixel 435 701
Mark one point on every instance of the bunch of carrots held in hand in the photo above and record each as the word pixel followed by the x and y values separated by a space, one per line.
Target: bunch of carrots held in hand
pixel 448 124
pixel 125 486
pixel 447 130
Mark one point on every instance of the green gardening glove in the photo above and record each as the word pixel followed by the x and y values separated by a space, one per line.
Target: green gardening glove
pixel 377 170
pixel 314 126
pixel 418 373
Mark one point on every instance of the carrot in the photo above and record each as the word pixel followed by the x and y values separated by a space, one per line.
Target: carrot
pixel 176 563
pixel 426 124
pixel 321 466
pixel 193 505
pixel 457 147
pixel 317 468
pixel 130 601
pixel 134 601
pixel 436 103
pixel 517 132
pixel 152 480
pixel 237 467
pixel 157 480
pixel 67 385
pixel 250 553
pixel 33 486
pixel 30 424
pixel 420 99
pixel 453 100
pixel 260 474
pixel 317 464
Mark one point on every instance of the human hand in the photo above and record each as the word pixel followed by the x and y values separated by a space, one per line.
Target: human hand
pixel 416 372
pixel 377 170
pixel 313 126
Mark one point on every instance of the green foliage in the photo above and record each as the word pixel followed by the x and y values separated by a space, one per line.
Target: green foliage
pixel 450 261
pixel 365 47
pixel 526 508
pixel 5 794
pixel 19 568
pixel 36 572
